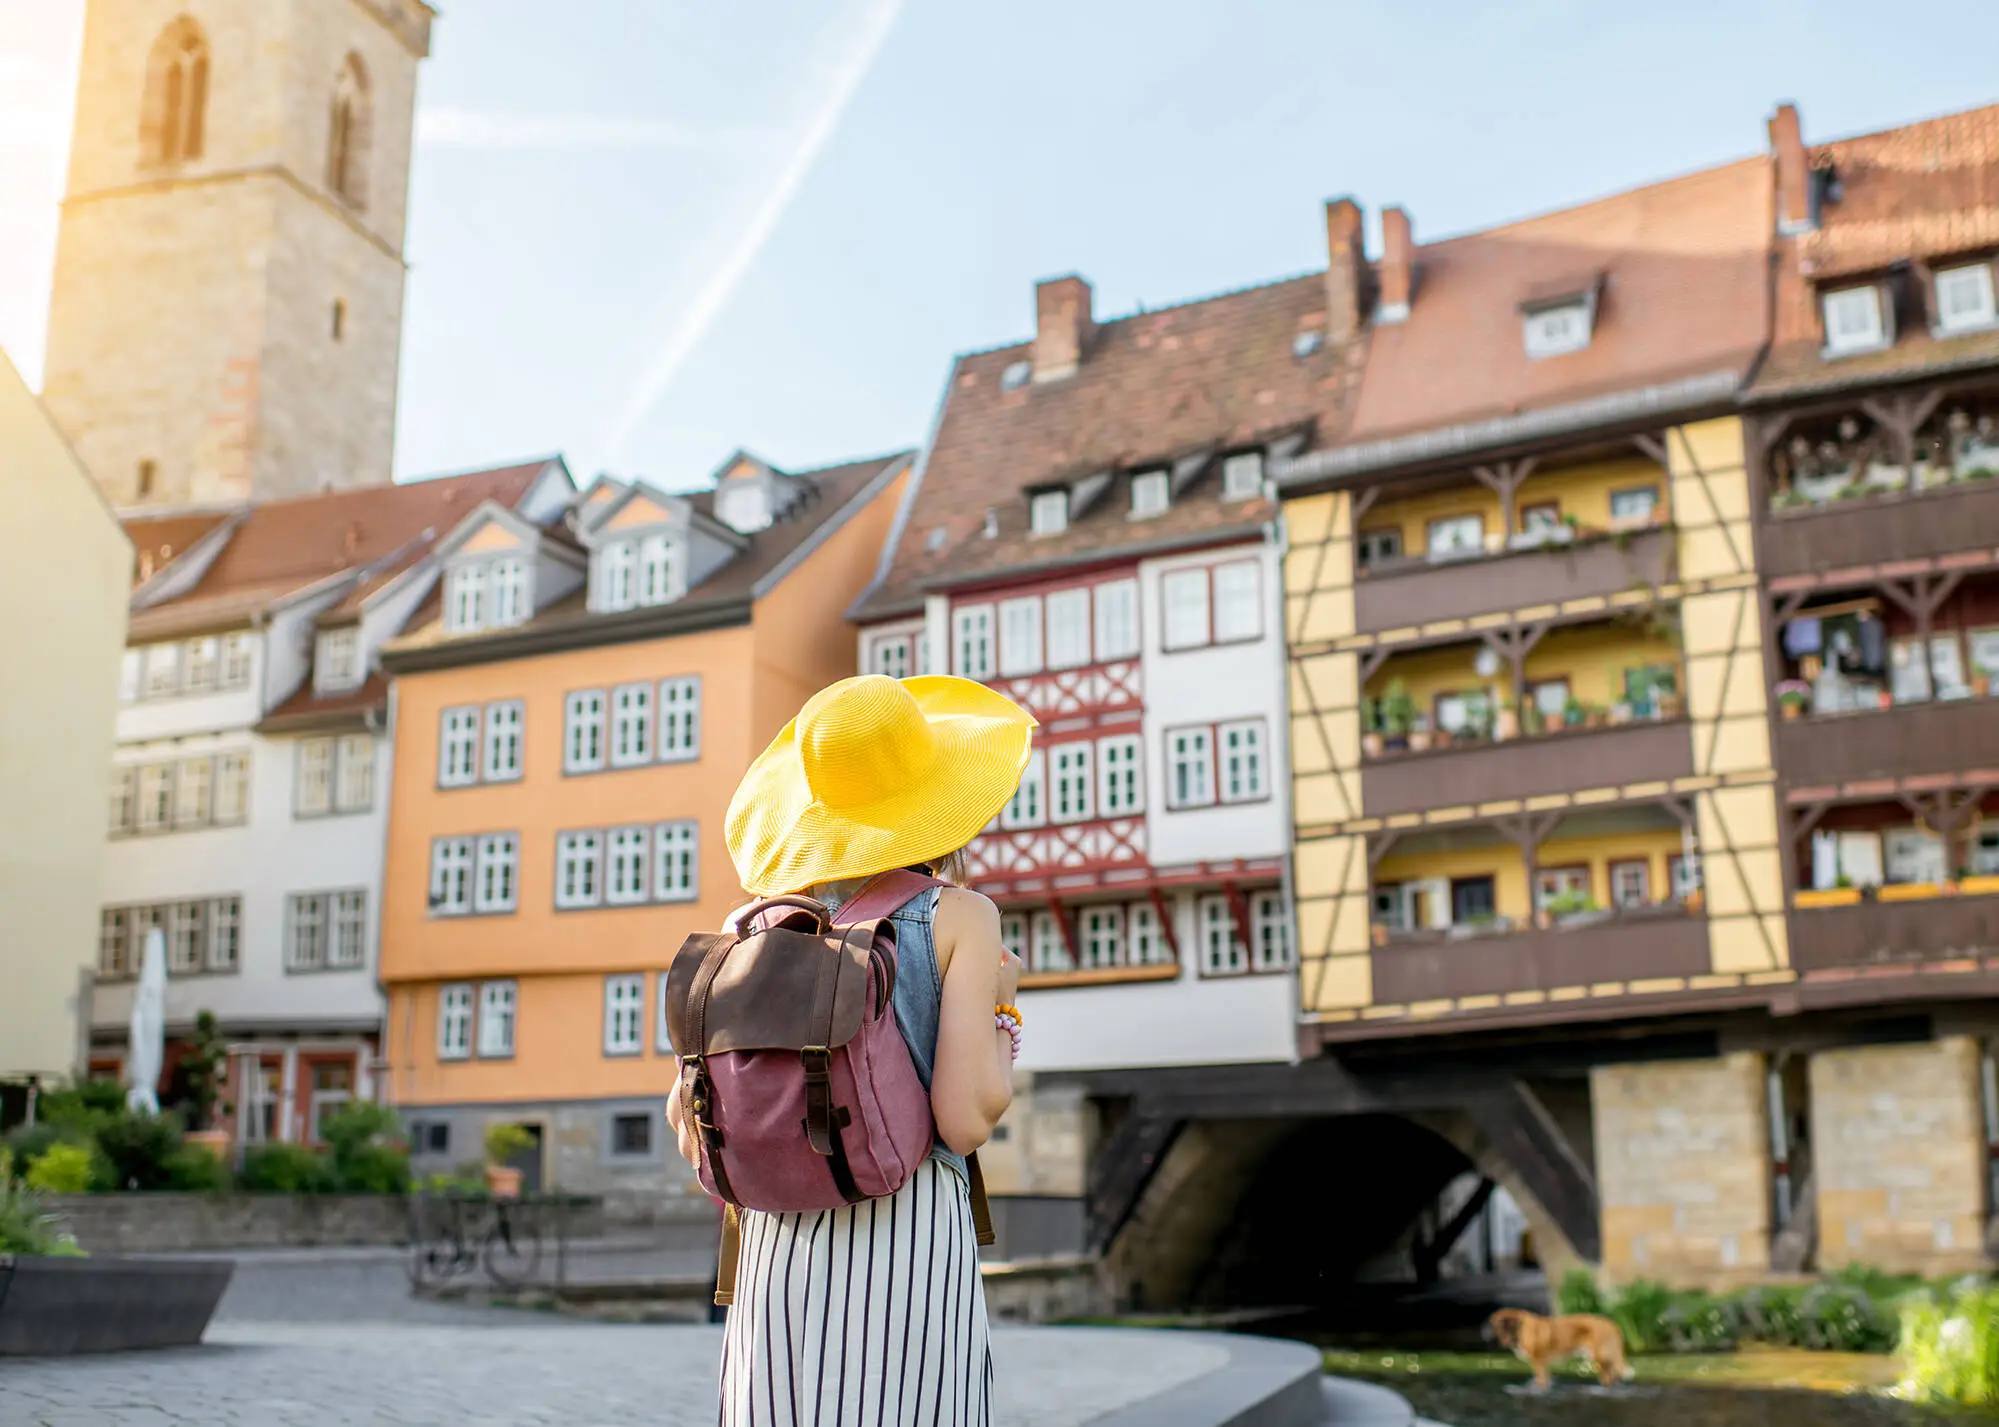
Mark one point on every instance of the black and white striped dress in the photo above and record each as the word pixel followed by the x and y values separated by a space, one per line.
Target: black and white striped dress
pixel 873 1315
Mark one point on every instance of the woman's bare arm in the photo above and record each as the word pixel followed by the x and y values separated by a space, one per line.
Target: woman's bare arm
pixel 972 1082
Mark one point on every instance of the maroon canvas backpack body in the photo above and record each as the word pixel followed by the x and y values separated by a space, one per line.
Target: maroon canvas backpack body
pixel 794 1075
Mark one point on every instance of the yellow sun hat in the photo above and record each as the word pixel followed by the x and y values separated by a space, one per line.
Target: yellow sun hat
pixel 876 773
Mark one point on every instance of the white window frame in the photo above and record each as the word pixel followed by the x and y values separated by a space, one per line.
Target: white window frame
pixel 1013 934
pixel 458 747
pixel 1020 636
pixel 1557 330
pixel 451 860
pixel 1048 950
pixel 1869 333
pixel 1191 746
pixel 156 797
pixel 1067 614
pixel 1028 807
pixel 1151 494
pixel 1100 932
pixel 509 601
pixel 1072 782
pixel 1242 475
pixel 124 799
pixel 502 743
pixel 892 655
pixel 336 663
pixel 307 931
pixel 615 578
pixel 677 720
pixel 659 570
pixel 1619 867
pixel 1145 937
pixel 584 744
pixel 496 873
pixel 676 854
pixel 1975 279
pixel 353 773
pixel 579 869
pixel 312 786
pixel 1235 611
pixel 1222 951
pixel 454 1021
pixel 499 1011
pixel 1116 620
pixel 1649 495
pixel 1048 511
pixel 624 1015
pixel 465 598
pixel 1186 609
pixel 663 1032
pixel 1463 536
pixel 1270 924
pixel 194 792
pixel 1120 775
pixel 187 935
pixel 238 656
pixel 1252 748
pixel 631 725
pixel 163 671
pixel 347 917
pixel 627 866
pixel 972 640
pixel 201 668
pixel 225 933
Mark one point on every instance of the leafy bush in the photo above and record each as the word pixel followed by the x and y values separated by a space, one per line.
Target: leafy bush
pixel 1579 1293
pixel 285 1169
pixel 196 1169
pixel 82 1107
pixel 1696 1323
pixel 366 1153
pixel 24 1228
pixel 1840 1318
pixel 135 1150
pixel 1950 1345
pixel 1771 1314
pixel 60 1169
pixel 1638 1310
pixel 29 1143
pixel 505 1140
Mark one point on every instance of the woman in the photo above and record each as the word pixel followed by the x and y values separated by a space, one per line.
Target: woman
pixel 875 1312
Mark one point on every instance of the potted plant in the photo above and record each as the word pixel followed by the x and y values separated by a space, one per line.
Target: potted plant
pixel 1573 713
pixel 504 1141
pixel 203 1065
pixel 1371 742
pixel 1981 685
pixel 1506 721
pixel 1794 696
pixel 1397 714
pixel 1574 908
pixel 1420 736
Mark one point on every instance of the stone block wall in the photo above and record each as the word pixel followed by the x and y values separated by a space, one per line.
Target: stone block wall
pixel 1899 1157
pixel 1683 1170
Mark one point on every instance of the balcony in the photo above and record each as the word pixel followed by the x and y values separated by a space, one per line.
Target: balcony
pixel 1567 762
pixel 1415 591
pixel 1897 926
pixel 1626 946
pixel 1866 529
pixel 1947 736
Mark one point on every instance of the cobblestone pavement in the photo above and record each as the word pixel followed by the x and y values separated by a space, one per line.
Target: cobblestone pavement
pixel 500 1369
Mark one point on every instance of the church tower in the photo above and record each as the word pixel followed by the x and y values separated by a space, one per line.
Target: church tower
pixel 227 314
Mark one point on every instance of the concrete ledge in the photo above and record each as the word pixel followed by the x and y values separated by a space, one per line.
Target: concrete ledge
pixel 55 1306
pixel 201 1223
pixel 1266 1383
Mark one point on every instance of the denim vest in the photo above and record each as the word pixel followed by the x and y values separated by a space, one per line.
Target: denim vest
pixel 919 997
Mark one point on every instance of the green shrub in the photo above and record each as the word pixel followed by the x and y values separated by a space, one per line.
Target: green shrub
pixel 504 1140
pixel 24 1228
pixel 1638 1310
pixel 1950 1345
pixel 1579 1293
pixel 81 1107
pixel 1883 1287
pixel 135 1150
pixel 28 1143
pixel 196 1169
pixel 286 1169
pixel 1770 1314
pixel 1839 1318
pixel 365 1149
pixel 60 1169
pixel 1697 1323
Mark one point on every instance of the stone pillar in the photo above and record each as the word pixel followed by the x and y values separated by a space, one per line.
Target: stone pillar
pixel 1899 1157
pixel 1683 1170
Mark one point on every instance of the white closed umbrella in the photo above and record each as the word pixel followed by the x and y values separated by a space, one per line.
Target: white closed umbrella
pixel 147 1034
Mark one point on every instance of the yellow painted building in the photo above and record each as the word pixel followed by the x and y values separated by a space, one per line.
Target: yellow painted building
pixel 569 727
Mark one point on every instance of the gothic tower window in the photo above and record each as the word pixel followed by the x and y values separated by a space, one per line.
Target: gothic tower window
pixel 347 135
pixel 174 114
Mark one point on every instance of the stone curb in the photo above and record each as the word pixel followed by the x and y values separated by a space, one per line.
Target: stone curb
pixel 1266 1383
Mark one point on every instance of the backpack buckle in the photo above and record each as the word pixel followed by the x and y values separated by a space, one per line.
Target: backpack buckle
pixel 816 1059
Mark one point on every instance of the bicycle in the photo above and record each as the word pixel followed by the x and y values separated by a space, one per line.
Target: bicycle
pixel 453 1234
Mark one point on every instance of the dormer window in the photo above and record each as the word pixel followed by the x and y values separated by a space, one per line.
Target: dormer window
pixel 655 570
pixel 743 506
pixel 465 599
pixel 1048 512
pixel 336 664
pixel 510 603
pixel 1242 476
pixel 1854 320
pixel 616 565
pixel 1964 299
pixel 1150 494
pixel 1563 327
pixel 631 574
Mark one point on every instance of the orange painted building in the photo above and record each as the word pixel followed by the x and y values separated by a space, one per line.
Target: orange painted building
pixel 570 720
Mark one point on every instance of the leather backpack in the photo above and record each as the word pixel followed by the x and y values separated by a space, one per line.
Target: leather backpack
pixel 794 1075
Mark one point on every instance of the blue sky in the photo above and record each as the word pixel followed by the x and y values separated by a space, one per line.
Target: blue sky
pixel 645 232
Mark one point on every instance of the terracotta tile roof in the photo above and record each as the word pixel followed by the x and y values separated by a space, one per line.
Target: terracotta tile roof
pixel 305 710
pixel 833 489
pixel 1683 268
pixel 1205 376
pixel 1921 191
pixel 157 539
pixel 290 545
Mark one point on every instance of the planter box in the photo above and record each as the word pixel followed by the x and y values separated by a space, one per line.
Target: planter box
pixel 206 1223
pixel 1908 891
pixel 51 1306
pixel 1828 897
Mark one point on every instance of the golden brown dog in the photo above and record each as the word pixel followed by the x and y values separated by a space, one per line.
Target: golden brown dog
pixel 1544 1342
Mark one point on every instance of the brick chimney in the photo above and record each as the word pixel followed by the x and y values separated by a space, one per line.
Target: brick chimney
pixel 1346 261
pixel 1397 269
pixel 1063 326
pixel 1787 151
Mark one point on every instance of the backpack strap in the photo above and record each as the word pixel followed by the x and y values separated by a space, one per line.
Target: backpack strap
pixel 982 1209
pixel 728 1256
pixel 884 896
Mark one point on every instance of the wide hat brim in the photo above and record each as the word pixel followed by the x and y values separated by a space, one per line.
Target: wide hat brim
pixel 782 839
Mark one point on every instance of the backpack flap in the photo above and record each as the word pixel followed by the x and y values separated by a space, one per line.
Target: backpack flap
pixel 764 992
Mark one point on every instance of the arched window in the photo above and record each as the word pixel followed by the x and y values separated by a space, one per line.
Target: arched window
pixel 347 135
pixel 173 118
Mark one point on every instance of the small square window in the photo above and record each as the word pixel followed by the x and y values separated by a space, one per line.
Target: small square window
pixel 1378 547
pixel 1555 330
pixel 631 1135
pixel 1853 320
pixel 1149 494
pixel 1637 506
pixel 1242 476
pixel 1048 512
pixel 1964 298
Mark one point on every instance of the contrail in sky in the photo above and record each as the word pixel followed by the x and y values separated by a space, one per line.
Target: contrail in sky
pixel 683 335
pixel 447 126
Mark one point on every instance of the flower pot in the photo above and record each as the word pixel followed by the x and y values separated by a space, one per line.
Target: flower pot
pixel 1792 710
pixel 1505 725
pixel 1372 744
pixel 1981 686
pixel 503 1181
pixel 1887 699
pixel 1419 742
